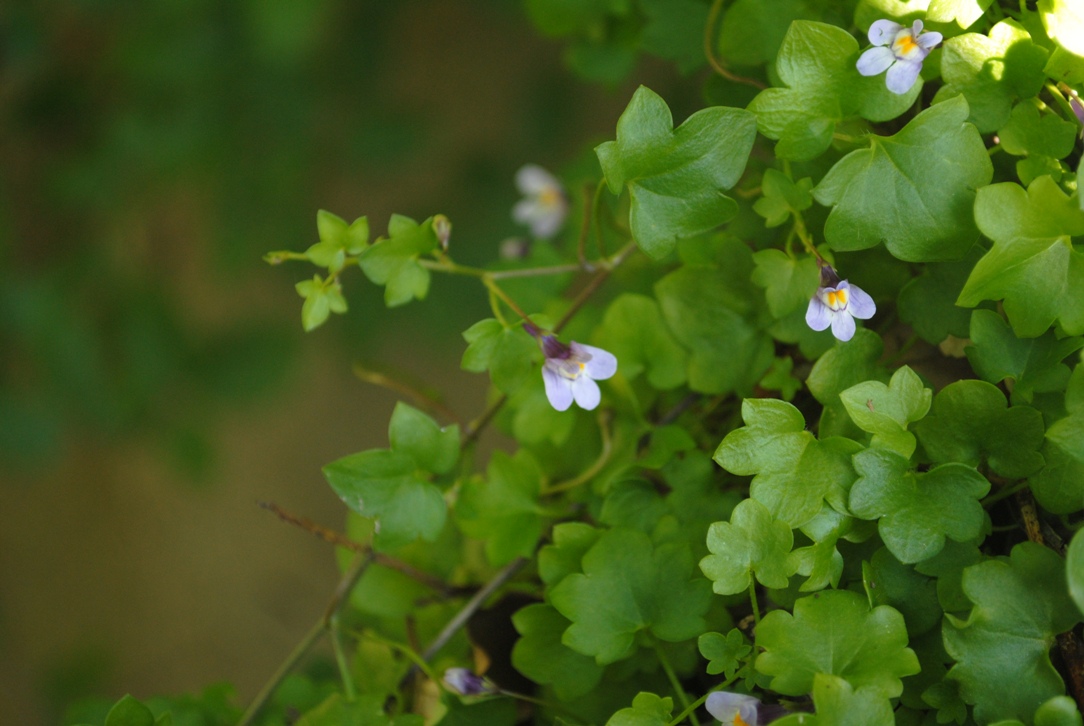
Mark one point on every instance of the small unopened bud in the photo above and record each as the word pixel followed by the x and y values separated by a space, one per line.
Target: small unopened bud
pixel 467 683
pixel 442 227
pixel 514 248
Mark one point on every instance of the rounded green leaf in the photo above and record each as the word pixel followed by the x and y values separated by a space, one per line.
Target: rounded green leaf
pixel 887 411
pixel 540 655
pixel 751 543
pixel 675 177
pixel 835 633
pixel 417 435
pixel 913 191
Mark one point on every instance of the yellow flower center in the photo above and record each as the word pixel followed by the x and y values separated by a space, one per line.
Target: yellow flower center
pixel 571 369
pixel 549 197
pixel 904 46
pixel 837 299
pixel 739 721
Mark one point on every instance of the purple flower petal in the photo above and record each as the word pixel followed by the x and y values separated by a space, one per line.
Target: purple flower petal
pixel 883 32
pixel 860 304
pixel 558 389
pixel 603 364
pixel 902 75
pixel 916 28
pixel 875 60
pixel 586 393
pixel 843 327
pixel 928 41
pixel 817 315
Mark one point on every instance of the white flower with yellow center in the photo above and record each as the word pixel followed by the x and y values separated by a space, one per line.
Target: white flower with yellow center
pixel 733 709
pixel 898 50
pixel 570 372
pixel 544 206
pixel 837 303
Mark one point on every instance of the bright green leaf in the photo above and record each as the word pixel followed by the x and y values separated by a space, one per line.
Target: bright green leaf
pixel 415 434
pixel 782 197
pixel 1002 650
pixel 788 283
pixel 970 423
pixel 1031 132
pixel 838 703
pixel 647 710
pixel 913 191
pixel 502 509
pixel 1064 23
pixel 835 633
pixel 724 653
pixel 928 302
pixel 753 30
pixel 1059 486
pixel 633 329
pixel 916 511
pixel 629 586
pixel 963 12
pixel 675 177
pixel 129 712
pixel 540 655
pixel 817 64
pixel 712 313
pixel 571 541
pixel 393 261
pixel 385 486
pixel 991 72
pixel 779 378
pixel 1032 265
pixel 792 471
pixel 508 354
pixel 1034 364
pixel 751 543
pixel 890 582
pixel 1058 711
pixel 886 411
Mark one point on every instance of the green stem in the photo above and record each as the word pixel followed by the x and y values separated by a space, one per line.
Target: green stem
pixel 349 692
pixel 676 684
pixel 496 290
pixel 709 50
pixel 699 702
pixel 608 266
pixel 803 234
pixel 753 601
pixel 590 473
pixel 1004 492
pixel 1062 101
pixel 598 217
pixel 342 590
pixel 545 704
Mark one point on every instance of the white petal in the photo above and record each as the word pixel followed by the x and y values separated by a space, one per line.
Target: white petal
pixel 724 706
pixel 603 363
pixel 527 210
pixel 558 389
pixel 586 393
pixel 546 224
pixel 883 32
pixel 818 316
pixel 902 76
pixel 916 28
pixel 860 304
pixel 875 60
pixel 533 179
pixel 843 326
pixel 928 41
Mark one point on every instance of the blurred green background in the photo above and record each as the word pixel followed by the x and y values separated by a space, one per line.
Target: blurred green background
pixel 154 379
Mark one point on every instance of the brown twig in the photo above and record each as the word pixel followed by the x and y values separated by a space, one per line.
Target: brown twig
pixel 341 540
pixel 421 398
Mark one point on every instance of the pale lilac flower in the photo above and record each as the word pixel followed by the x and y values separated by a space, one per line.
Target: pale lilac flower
pixel 1078 109
pixel 898 50
pixel 467 683
pixel 570 371
pixel 544 206
pixel 733 709
pixel 837 303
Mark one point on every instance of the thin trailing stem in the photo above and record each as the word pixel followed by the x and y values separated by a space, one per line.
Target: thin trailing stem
pixel 495 583
pixel 591 472
pixel 753 601
pixel 699 702
pixel 423 399
pixel 709 50
pixel 342 590
pixel 589 289
pixel 349 691
pixel 504 297
pixel 675 683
